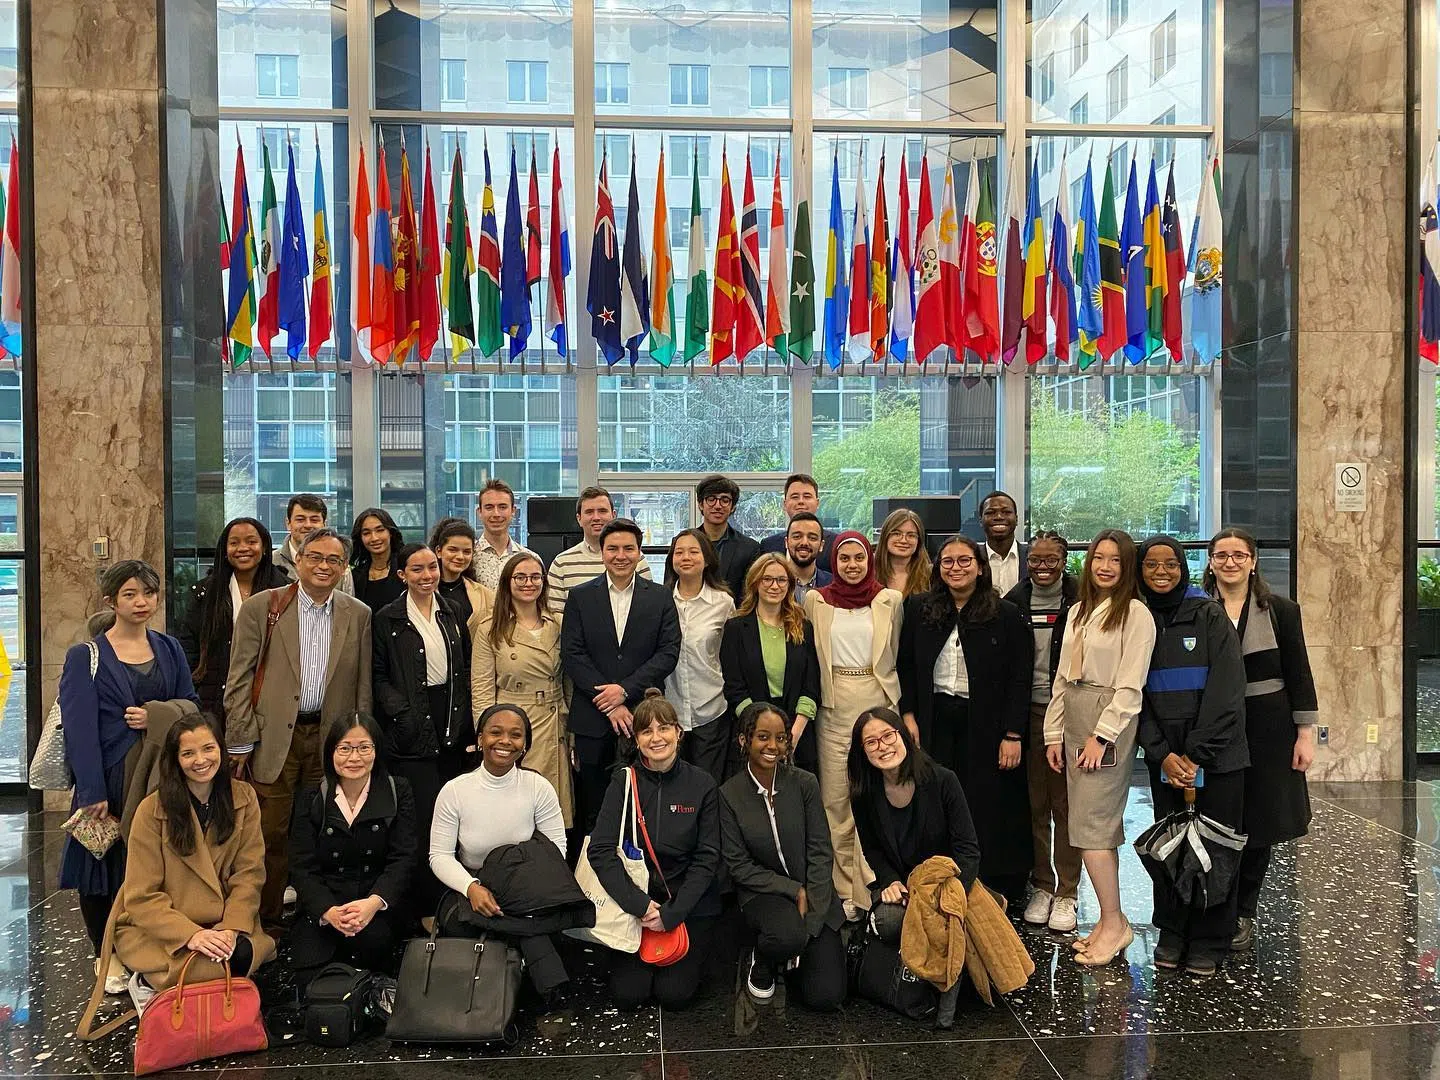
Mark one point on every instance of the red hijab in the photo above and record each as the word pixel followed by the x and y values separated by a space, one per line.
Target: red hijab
pixel 840 593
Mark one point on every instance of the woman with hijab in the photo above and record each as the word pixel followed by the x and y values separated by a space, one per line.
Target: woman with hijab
pixel 1192 727
pixel 857 639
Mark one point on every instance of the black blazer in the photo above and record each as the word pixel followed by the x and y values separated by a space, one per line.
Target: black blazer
pixel 402 701
pixel 942 827
pixel 590 656
pixel 999 658
pixel 749 846
pixel 210 684
pixel 744 668
pixel 333 862
pixel 1021 595
pixel 736 554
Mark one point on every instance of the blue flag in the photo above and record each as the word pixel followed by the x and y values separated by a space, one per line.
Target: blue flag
pixel 837 288
pixel 1089 318
pixel 294 266
pixel 1132 249
pixel 602 298
pixel 514 293
pixel 634 281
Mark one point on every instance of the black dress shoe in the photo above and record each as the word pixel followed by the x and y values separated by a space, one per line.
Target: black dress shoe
pixel 1203 966
pixel 1168 957
pixel 1244 939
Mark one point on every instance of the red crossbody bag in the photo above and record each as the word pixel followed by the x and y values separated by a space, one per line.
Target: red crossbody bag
pixel 659 947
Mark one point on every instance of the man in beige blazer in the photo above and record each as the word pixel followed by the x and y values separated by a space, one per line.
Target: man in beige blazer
pixel 317 669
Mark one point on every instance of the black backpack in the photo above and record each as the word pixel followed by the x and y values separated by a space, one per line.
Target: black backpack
pixel 337 1005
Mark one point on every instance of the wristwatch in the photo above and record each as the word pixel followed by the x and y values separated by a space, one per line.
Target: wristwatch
pixel 1103 741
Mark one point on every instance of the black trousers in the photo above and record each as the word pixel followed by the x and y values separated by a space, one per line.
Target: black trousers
pixel 1205 931
pixel 634 982
pixel 95 911
pixel 595 755
pixel 780 935
pixel 710 747
pixel 1254 863
pixel 313 945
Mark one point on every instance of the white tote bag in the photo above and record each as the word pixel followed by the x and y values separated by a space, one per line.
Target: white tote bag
pixel 615 928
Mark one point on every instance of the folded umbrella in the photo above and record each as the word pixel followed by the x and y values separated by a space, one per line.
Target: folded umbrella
pixel 1193 855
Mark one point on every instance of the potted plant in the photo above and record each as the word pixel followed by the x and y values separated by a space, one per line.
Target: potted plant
pixel 1427 593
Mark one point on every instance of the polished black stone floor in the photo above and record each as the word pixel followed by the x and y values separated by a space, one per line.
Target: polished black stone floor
pixel 1342 984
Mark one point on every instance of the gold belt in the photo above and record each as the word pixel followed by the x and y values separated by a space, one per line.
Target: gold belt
pixel 853 672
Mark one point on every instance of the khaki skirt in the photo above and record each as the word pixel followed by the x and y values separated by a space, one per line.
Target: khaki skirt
pixel 1097 797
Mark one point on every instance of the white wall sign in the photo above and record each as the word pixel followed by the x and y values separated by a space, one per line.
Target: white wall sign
pixel 1350 486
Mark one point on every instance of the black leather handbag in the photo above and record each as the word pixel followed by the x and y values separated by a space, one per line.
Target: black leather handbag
pixel 884 979
pixel 457 990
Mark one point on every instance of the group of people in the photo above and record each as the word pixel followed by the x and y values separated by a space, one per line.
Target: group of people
pixel 378 727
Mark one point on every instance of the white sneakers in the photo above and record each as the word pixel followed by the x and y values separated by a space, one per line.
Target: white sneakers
pixel 140 992
pixel 291 896
pixel 1037 912
pixel 1056 912
pixel 116 977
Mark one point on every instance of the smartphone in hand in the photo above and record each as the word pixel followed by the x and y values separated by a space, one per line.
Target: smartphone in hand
pixel 1107 759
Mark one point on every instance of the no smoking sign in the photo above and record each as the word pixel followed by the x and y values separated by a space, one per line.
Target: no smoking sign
pixel 1350 486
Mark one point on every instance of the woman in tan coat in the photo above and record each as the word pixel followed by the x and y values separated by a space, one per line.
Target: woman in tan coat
pixel 516 661
pixel 196 864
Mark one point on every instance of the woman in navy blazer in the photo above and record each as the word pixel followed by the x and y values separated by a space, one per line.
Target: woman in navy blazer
pixel 104 719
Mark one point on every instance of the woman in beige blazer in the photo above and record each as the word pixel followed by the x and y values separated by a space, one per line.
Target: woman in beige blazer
pixel 516 660
pixel 192 888
pixel 857 637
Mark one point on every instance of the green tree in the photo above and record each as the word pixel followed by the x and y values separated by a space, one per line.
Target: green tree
pixel 1106 467
pixel 876 462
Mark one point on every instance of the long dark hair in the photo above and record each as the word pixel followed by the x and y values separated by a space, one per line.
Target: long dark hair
pixel 448 528
pixel 1258 587
pixel 502 615
pixel 710 575
pixel 216 615
pixel 1127 588
pixel 174 792
pixel 936 603
pixel 360 554
pixel 866 780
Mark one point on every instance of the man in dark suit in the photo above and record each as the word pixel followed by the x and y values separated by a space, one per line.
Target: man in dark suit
pixel 802 495
pixel 1000 517
pixel 718 496
pixel 620 636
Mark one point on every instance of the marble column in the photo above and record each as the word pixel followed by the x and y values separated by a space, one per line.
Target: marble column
pixel 98 228
pixel 1352 123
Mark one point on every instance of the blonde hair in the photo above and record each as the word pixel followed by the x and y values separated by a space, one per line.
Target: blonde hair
pixel 917 580
pixel 792 615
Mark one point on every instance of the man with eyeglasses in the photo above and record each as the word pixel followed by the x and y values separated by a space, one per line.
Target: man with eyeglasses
pixel 303 515
pixel 299 659
pixel 718 496
pixel 999 517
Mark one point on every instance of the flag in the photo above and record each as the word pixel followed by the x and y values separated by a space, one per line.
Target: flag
pixel 1132 250
pixel 1157 282
pixel 1429 263
pixel 321 301
pixel 10 258
pixel 777 297
pixel 382 266
pixel 634 280
pixel 514 292
pixel 1013 315
pixel 860 270
pixel 1208 259
pixel 224 267
pixel 430 260
pixel 602 298
pixel 880 270
pixel 982 301
pixel 957 247
pixel 749 314
pixel 267 324
pixel 1088 319
pixel 360 229
pixel 802 271
pixel 662 295
pixel 1062 280
pixel 532 228
pixel 240 296
pixel 902 275
pixel 726 297
pixel 488 328
pixel 1112 288
pixel 837 289
pixel 294 264
pixel 930 330
pixel 406 312
pixel 459 264
pixel 559 261
pixel 1174 271
pixel 697 306
pixel 1033 304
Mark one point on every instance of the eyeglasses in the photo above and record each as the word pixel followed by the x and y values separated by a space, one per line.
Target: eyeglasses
pixel 1238 557
pixel 876 741
pixel 952 562
pixel 1168 564
pixel 906 534
pixel 364 749
pixel 323 560
pixel 1047 563
pixel 775 582
pixel 527 579
pixel 719 500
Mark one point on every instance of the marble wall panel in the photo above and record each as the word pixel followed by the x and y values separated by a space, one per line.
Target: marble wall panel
pixel 1358 686
pixel 96 44
pixel 1354 56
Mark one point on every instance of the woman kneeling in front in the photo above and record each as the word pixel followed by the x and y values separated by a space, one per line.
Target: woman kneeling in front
pixel 680 811
pixel 196 864
pixel 776 841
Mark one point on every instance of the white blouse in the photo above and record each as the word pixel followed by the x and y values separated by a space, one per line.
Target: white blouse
pixel 950 675
pixel 1118 658
pixel 852 638
pixel 437 662
pixel 697 686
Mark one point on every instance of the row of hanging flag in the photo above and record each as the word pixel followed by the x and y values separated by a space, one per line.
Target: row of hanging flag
pixel 11 337
pixel 1115 288
pixel 1430 260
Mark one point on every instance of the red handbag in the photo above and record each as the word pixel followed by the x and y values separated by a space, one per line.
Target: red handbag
pixel 185 1024
pixel 659 947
